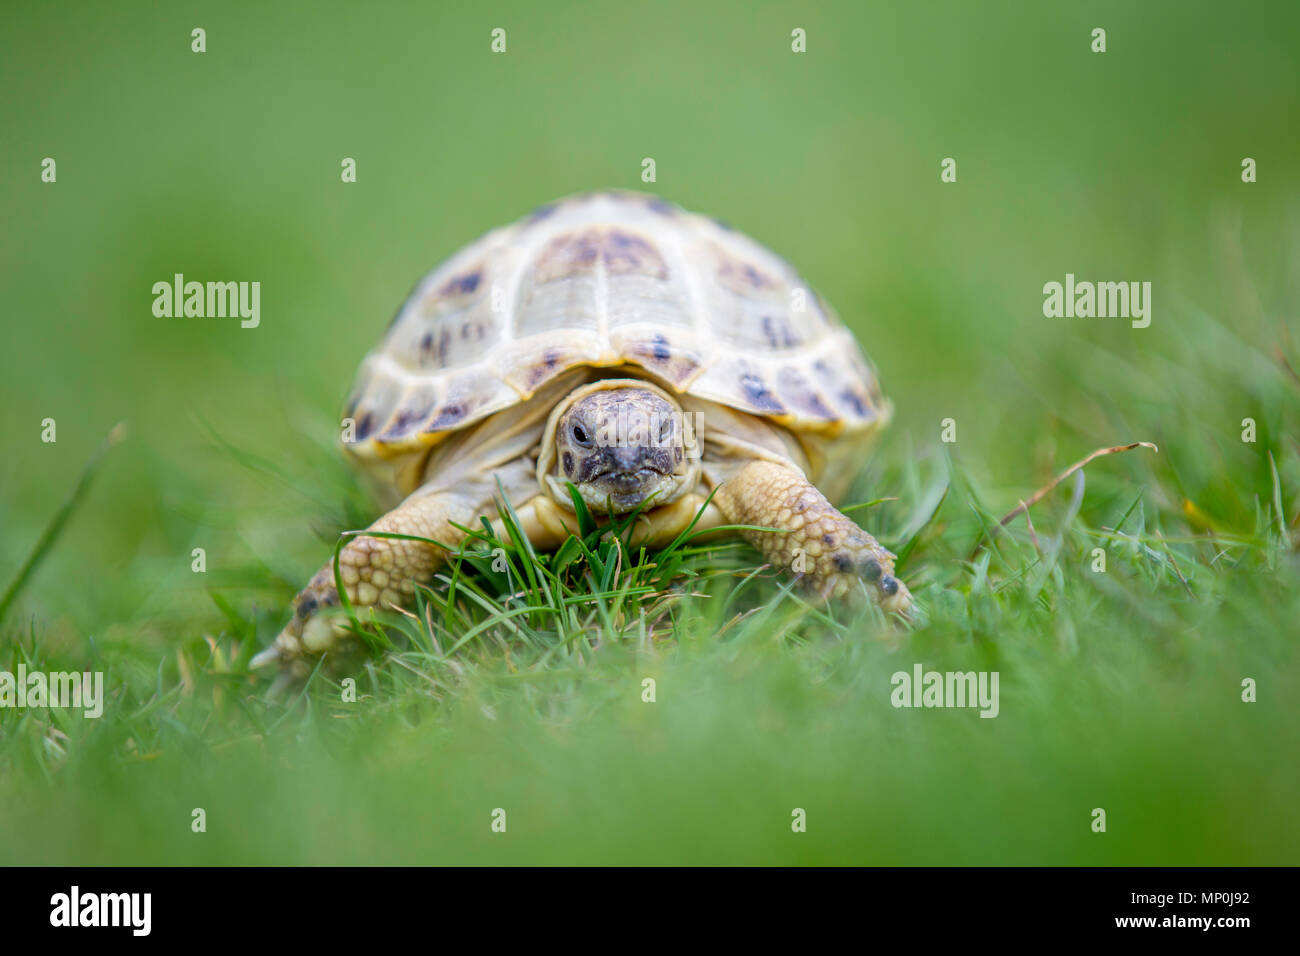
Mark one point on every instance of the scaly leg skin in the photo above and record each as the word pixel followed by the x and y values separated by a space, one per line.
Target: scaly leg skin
pixel 833 553
pixel 376 572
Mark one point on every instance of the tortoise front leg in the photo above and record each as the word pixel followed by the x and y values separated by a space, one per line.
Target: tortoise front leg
pixel 814 539
pixel 376 572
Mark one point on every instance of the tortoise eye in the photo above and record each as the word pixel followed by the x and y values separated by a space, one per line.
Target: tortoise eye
pixel 580 436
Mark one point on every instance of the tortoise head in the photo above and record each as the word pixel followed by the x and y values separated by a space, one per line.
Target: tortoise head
pixel 623 443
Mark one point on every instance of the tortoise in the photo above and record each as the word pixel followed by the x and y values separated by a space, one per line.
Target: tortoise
pixel 646 356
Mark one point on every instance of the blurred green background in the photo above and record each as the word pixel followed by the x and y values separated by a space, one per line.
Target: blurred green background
pixel 225 166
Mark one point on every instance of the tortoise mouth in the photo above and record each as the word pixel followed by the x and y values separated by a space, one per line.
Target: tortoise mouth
pixel 629 478
pixel 624 491
pixel 640 482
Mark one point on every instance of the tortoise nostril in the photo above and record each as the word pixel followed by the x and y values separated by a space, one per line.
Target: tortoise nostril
pixel 871 569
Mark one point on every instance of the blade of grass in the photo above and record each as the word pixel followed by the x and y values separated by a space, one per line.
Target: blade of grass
pixel 46 541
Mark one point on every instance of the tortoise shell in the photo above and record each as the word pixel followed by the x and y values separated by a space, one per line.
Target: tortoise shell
pixel 606 280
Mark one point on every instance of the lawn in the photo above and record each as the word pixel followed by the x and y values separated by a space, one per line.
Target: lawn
pixel 1126 614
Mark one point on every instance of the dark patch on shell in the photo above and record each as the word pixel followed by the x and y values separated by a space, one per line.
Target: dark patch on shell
pixel 854 401
pixel 626 253
pixel 744 278
pixel 435 353
pixel 659 355
pixel 661 351
pixel 813 403
pixel 802 396
pixel 465 284
pixel 779 334
pixel 401 425
pixel 568 255
pixel 758 394
pixel 365 426
pixel 448 416
pixel 547 368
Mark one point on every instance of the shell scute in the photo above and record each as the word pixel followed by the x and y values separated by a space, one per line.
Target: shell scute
pixel 661 352
pixel 627 253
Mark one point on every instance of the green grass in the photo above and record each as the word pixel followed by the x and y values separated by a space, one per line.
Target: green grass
pixel 522 688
